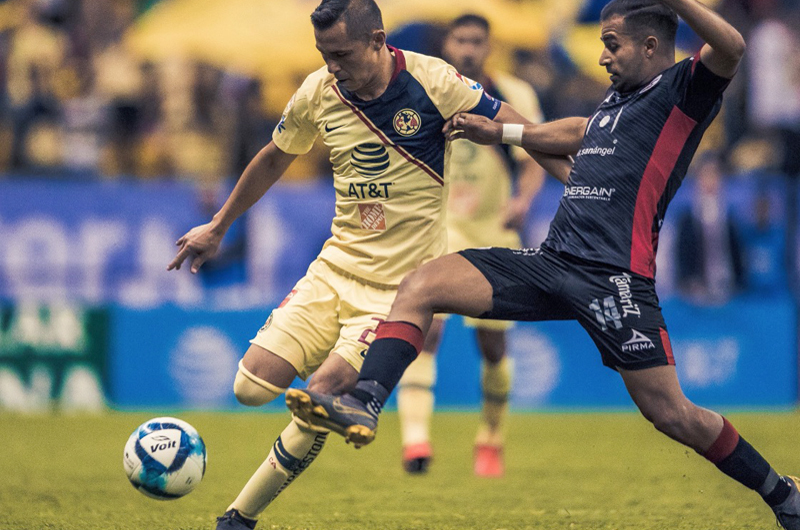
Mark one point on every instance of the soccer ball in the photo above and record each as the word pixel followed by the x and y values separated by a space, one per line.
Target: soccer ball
pixel 165 458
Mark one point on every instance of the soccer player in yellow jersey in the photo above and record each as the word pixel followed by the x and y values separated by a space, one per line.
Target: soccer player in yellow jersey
pixel 380 111
pixel 483 211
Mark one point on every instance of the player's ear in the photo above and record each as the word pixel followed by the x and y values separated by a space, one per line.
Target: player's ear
pixel 378 39
pixel 651 46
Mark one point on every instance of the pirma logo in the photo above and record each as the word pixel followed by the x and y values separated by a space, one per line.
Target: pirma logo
pixel 638 342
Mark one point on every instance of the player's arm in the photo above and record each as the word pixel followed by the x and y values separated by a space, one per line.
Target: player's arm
pixel 724 46
pixel 557 164
pixel 560 137
pixel 202 242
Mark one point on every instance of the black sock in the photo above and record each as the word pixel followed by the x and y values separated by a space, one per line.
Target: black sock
pixel 395 347
pixel 739 460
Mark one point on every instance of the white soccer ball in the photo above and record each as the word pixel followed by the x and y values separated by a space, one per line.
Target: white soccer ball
pixel 165 458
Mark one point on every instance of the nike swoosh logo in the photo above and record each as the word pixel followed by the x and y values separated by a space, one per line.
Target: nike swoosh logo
pixel 330 129
pixel 338 406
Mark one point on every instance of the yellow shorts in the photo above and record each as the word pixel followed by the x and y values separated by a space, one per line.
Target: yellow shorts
pixel 328 311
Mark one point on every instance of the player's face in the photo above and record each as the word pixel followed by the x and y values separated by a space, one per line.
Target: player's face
pixel 623 55
pixel 466 48
pixel 354 62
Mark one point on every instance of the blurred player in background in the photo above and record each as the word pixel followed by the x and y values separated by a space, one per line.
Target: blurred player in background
pixel 381 112
pixel 597 265
pixel 483 210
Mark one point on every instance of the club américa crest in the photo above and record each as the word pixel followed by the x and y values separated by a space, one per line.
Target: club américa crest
pixel 407 122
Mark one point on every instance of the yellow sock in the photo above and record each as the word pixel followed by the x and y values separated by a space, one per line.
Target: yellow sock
pixel 291 454
pixel 415 399
pixel 496 386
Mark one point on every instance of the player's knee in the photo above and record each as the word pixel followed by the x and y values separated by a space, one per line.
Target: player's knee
pixel 333 381
pixel 415 289
pixel 671 421
pixel 252 391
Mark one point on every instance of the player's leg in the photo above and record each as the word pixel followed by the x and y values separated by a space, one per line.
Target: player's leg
pixel 415 403
pixel 491 283
pixel 496 372
pixel 657 393
pixel 450 284
pixel 286 346
pixel 622 315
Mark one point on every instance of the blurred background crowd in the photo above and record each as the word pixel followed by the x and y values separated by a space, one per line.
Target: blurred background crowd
pixel 100 88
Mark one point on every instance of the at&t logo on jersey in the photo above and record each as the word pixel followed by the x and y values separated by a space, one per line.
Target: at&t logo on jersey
pixel 589 192
pixel 407 122
pixel 370 160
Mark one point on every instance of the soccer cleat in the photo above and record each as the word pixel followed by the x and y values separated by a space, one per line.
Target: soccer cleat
pixel 417 458
pixel 233 520
pixel 344 415
pixel 489 460
pixel 788 512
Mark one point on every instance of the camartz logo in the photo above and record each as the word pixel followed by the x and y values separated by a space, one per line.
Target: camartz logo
pixel 407 122
pixel 623 283
pixel 638 342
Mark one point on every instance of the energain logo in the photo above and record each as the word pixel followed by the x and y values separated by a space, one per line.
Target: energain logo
pixel 407 122
pixel 370 160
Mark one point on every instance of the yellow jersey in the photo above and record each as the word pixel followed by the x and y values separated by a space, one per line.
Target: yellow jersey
pixel 390 162
pixel 481 176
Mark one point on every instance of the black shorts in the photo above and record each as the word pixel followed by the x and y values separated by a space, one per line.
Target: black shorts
pixel 619 309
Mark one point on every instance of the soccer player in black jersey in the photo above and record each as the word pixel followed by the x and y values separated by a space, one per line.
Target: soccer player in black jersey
pixel 597 265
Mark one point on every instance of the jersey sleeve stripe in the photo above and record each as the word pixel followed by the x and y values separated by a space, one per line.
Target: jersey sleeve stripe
pixel 385 139
pixel 662 161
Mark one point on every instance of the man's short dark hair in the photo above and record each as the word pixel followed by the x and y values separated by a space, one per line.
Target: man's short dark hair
pixel 361 17
pixel 644 17
pixel 469 19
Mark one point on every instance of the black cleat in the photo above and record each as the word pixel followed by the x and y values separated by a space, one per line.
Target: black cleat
pixel 233 520
pixel 788 512
pixel 344 415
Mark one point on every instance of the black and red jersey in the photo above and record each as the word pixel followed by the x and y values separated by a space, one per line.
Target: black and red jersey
pixel 635 153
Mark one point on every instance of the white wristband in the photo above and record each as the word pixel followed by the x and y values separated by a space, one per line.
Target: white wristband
pixel 512 133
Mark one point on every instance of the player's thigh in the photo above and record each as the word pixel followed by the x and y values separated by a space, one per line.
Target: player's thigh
pixel 525 284
pixel 620 311
pixel 303 329
pixel 268 367
pixel 492 340
pixel 450 284
pixel 363 309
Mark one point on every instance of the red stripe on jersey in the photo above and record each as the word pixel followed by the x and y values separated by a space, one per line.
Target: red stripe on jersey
pixel 695 61
pixel 654 181
pixel 399 63
pixel 385 139
pixel 401 330
pixel 667 346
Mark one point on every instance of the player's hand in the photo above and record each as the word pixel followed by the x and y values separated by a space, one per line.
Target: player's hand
pixel 198 245
pixel 478 129
pixel 515 213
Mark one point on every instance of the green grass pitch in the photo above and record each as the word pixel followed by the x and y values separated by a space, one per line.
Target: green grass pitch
pixel 564 471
